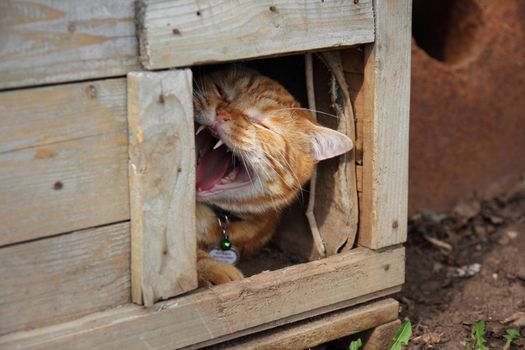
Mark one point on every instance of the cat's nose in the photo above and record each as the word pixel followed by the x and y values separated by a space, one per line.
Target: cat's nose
pixel 215 125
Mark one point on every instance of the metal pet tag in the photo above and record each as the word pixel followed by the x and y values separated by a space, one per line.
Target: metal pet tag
pixel 229 256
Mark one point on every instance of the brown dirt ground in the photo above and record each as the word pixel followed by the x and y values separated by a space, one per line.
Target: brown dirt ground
pixel 443 306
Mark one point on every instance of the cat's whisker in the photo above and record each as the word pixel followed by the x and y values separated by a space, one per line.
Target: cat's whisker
pixel 307 109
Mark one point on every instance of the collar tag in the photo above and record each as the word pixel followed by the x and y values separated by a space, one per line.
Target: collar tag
pixel 226 252
pixel 230 256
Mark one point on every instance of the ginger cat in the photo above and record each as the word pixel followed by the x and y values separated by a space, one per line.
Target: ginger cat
pixel 256 147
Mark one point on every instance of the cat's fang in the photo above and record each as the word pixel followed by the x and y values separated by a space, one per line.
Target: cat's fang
pixel 218 144
pixel 202 127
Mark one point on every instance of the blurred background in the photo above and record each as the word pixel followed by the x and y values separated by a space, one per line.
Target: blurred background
pixel 467 121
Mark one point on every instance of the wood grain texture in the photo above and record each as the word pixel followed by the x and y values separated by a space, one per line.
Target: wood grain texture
pixel 336 207
pixel 49 41
pixel 294 292
pixel 381 337
pixel 181 33
pixel 387 97
pixel 162 185
pixel 319 330
pixel 65 277
pixel 63 159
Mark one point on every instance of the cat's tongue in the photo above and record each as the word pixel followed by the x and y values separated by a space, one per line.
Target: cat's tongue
pixel 212 168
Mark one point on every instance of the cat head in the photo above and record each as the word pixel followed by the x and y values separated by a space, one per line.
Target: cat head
pixel 256 147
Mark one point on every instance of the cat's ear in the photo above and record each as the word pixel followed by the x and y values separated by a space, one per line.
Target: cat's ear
pixel 328 143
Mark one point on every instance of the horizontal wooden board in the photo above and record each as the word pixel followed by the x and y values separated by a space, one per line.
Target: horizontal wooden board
pixel 49 41
pixel 63 159
pixel 229 308
pixel 185 32
pixel 315 331
pixel 65 277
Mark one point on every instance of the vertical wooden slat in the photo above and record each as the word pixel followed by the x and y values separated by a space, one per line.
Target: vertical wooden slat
pixel 162 185
pixel 387 94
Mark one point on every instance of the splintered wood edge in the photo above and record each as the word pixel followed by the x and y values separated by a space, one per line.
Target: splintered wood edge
pixel 321 329
pixel 220 313
pixel 161 185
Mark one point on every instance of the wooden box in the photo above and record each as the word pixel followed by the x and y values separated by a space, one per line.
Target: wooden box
pixel 92 215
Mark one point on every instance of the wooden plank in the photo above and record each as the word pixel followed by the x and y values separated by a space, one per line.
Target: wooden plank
pixel 63 159
pixel 336 201
pixel 49 41
pixel 381 337
pixel 312 332
pixel 287 320
pixel 65 277
pixel 162 185
pixel 387 95
pixel 182 33
pixel 222 310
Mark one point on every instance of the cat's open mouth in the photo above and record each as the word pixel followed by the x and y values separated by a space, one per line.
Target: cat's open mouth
pixel 218 169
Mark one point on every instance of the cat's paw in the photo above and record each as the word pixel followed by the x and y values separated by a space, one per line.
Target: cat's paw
pixel 211 272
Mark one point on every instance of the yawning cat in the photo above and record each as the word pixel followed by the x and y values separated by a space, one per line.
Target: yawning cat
pixel 256 147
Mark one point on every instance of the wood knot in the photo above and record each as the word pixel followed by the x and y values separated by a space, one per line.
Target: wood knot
pixel 175 31
pixel 71 27
pixel 273 8
pixel 91 91
pixel 395 224
pixel 57 186
pixel 161 99
pixel 198 13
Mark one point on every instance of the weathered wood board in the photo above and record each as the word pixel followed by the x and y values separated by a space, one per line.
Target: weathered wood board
pixel 182 33
pixel 336 207
pixel 385 147
pixel 162 184
pixel 294 292
pixel 381 336
pixel 315 331
pixel 49 41
pixel 61 278
pixel 63 159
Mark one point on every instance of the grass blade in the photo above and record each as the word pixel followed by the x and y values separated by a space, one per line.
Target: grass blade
pixel 402 336
pixel 510 335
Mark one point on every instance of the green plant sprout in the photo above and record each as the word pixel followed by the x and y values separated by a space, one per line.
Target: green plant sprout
pixel 402 336
pixel 510 335
pixel 355 344
pixel 478 332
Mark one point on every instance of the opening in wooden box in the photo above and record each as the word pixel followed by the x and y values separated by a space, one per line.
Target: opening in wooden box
pixel 321 83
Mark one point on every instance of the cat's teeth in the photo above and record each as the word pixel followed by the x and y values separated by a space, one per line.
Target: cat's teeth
pixel 218 144
pixel 202 127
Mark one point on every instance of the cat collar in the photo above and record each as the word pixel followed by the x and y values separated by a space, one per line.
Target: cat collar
pixel 226 252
